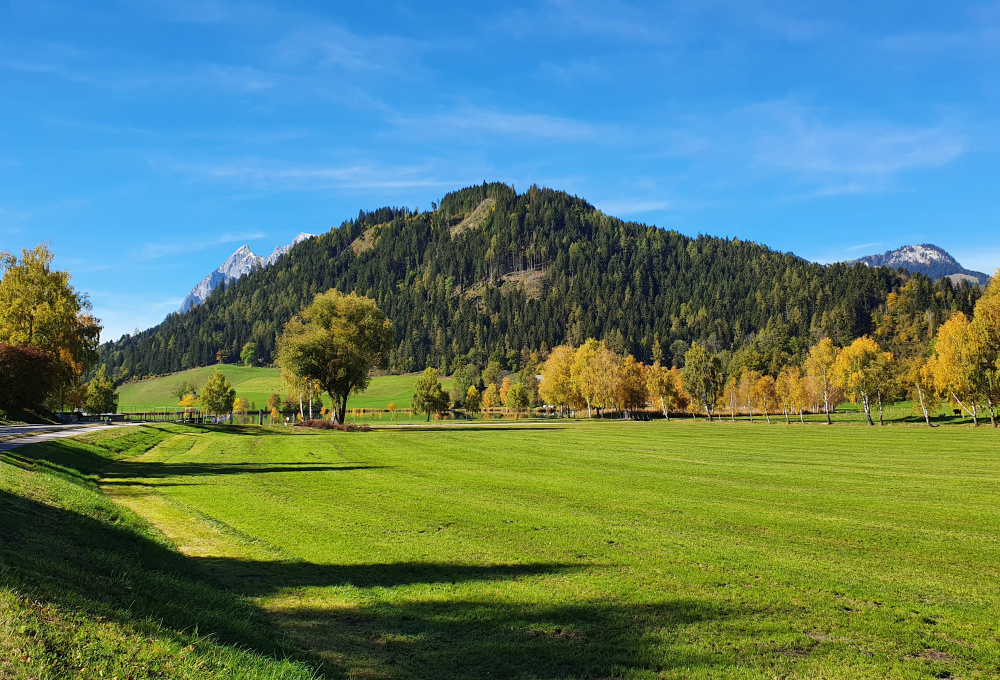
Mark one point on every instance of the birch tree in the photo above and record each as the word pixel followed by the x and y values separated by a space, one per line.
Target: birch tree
pixel 819 368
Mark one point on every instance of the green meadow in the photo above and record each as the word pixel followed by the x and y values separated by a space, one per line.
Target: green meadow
pixel 256 385
pixel 556 550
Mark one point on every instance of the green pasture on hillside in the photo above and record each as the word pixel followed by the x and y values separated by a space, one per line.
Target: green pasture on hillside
pixel 559 550
pixel 256 385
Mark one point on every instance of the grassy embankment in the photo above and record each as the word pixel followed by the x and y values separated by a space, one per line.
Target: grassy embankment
pixel 256 385
pixel 639 550
pixel 90 590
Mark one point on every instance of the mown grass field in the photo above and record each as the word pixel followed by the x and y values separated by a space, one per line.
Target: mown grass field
pixel 256 385
pixel 576 550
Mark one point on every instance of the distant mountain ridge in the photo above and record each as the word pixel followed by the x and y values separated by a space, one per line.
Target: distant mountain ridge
pixel 239 264
pixel 927 259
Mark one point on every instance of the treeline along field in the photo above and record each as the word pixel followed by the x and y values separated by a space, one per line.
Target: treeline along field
pixel 254 385
pixel 638 550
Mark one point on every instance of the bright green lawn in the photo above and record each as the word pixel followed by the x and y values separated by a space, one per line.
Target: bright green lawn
pixel 598 550
pixel 256 385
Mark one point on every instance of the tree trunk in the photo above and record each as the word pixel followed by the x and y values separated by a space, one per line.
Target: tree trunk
pixel 302 412
pixel 310 405
pixel 923 408
pixel 785 411
pixel 826 403
pixel 801 419
pixel 881 421
pixel 993 416
pixel 750 410
pixel 767 416
pixel 866 404
pixel 589 414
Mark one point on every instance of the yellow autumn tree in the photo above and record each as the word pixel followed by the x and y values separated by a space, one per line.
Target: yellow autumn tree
pixel 856 371
pixel 956 367
pixel 557 387
pixel 40 309
pixel 788 387
pixel 662 387
pixel 819 368
pixel 984 332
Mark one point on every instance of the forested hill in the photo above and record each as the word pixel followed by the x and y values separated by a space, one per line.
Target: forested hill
pixel 493 272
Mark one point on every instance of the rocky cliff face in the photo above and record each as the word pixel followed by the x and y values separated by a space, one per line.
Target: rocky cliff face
pixel 925 259
pixel 240 263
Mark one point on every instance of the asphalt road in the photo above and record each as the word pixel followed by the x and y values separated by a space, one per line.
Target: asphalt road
pixel 46 433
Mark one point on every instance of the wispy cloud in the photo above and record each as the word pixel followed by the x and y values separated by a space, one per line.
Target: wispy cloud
pixel 626 207
pixel 479 121
pixel 864 246
pixel 155 251
pixel 791 137
pixel 288 176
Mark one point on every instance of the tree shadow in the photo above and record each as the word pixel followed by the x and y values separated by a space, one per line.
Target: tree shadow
pixel 83 463
pixel 417 429
pixel 259 578
pixel 105 564
pixel 483 639
pixel 109 569
pixel 130 470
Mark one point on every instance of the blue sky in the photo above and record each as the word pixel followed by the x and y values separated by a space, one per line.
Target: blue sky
pixel 147 140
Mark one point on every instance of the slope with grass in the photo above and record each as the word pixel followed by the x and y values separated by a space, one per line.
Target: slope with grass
pixel 90 590
pixel 255 385
pixel 632 550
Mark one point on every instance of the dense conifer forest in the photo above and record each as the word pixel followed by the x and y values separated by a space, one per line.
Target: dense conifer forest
pixel 493 273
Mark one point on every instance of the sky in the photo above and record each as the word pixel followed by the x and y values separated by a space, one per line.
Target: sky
pixel 145 141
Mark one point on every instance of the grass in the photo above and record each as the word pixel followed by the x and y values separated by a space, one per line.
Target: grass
pixel 256 385
pixel 598 550
pixel 90 590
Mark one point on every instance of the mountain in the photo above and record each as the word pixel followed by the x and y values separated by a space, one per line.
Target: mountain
pixel 239 264
pixel 926 259
pixel 493 273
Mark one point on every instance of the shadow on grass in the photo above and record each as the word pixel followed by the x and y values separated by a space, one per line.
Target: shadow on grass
pixel 256 579
pixel 73 460
pixel 105 564
pixel 127 470
pixel 417 428
pixel 488 639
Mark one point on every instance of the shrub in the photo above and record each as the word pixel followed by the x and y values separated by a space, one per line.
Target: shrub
pixel 27 376
pixel 327 425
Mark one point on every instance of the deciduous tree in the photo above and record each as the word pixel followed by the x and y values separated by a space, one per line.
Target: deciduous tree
pixel 748 389
pixel 336 342
pixel 819 368
pixel 765 394
pixel 557 386
pixel 428 395
pixel 26 376
pixel 922 385
pixel 957 363
pixel 518 398
pixel 217 395
pixel 703 377
pixel 39 308
pixel 858 373
pixel 662 387
pixel 788 386
pixel 473 400
pixel 102 396
pixel 248 355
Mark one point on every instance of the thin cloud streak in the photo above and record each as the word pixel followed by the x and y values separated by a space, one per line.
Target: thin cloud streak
pixel 155 251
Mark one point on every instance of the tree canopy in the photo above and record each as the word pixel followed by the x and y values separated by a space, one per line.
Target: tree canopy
pixel 336 342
